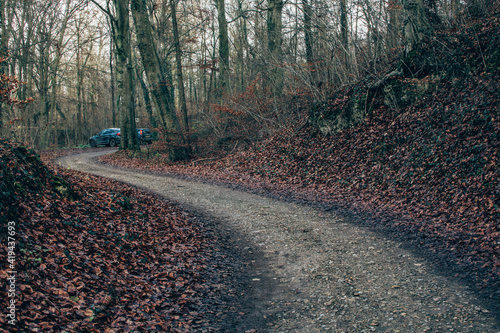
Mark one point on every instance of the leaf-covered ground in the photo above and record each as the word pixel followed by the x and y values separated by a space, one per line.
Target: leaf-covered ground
pixel 430 170
pixel 94 255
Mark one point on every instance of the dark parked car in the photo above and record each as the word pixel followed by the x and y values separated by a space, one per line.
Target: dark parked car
pixel 108 137
pixel 144 135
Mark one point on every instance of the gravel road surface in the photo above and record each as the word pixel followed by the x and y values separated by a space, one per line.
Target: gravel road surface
pixel 315 271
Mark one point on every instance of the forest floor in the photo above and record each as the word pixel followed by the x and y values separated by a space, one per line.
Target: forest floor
pixel 88 254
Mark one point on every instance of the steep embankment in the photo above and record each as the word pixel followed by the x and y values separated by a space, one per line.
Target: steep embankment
pixel 429 168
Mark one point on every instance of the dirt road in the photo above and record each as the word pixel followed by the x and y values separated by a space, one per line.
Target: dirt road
pixel 315 271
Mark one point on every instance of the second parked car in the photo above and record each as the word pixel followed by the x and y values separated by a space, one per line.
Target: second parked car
pixel 108 137
pixel 144 135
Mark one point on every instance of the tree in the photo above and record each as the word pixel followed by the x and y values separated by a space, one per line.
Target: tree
pixel 158 80
pixel 3 51
pixel 392 26
pixel 146 97
pixel 112 81
pixel 344 34
pixel 274 44
pixel 124 72
pixel 416 26
pixel 223 46
pixel 308 32
pixel 308 40
pixel 241 43
pixel 178 65
pixel 9 84
pixel 124 75
pixel 55 84
pixel 80 68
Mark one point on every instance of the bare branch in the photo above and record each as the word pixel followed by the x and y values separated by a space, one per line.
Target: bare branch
pixel 104 10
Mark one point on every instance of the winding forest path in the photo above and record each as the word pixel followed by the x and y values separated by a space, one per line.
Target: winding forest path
pixel 315 271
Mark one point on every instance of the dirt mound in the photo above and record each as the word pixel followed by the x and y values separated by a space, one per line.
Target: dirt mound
pixel 25 177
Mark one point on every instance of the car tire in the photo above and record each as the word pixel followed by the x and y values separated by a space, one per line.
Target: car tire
pixel 112 142
pixel 93 143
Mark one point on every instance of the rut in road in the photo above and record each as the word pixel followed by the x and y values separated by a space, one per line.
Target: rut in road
pixel 325 273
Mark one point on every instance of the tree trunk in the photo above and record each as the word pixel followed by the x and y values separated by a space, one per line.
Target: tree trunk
pixel 223 47
pixel 344 34
pixel 416 25
pixel 112 83
pixel 178 63
pixel 392 27
pixel 308 38
pixel 158 81
pixel 124 75
pixel 80 73
pixel 241 46
pixel 455 9
pixel 274 44
pixel 3 52
pixel 147 98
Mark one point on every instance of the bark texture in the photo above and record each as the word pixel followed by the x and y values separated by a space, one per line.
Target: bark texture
pixel 124 75
pixel 223 47
pixel 158 82
pixel 274 44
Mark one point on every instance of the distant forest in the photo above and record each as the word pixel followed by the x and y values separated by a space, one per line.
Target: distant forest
pixel 192 68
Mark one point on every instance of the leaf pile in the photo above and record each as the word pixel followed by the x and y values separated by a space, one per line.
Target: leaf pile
pixel 430 169
pixel 22 175
pixel 110 258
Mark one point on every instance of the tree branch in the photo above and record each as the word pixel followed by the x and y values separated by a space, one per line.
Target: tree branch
pixel 104 10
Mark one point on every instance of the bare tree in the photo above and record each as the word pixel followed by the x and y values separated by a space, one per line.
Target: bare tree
pixel 274 44
pixel 344 34
pixel 416 25
pixel 158 81
pixel 178 65
pixel 223 46
pixel 120 25
pixel 308 37
pixel 3 51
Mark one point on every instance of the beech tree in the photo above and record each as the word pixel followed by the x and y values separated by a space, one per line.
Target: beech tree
pixel 178 65
pixel 157 79
pixel 308 33
pixel 3 52
pixel 223 46
pixel 416 25
pixel 344 34
pixel 274 44
pixel 120 25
